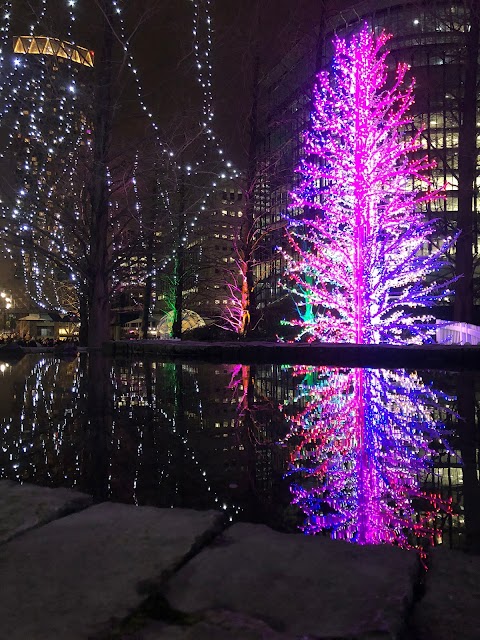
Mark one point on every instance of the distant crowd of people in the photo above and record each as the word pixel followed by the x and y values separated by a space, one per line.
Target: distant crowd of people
pixel 26 340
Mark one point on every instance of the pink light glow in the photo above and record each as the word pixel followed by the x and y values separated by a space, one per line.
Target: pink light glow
pixel 357 253
pixel 362 440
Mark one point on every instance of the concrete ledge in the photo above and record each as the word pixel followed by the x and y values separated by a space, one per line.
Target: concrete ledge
pixel 74 578
pixel 430 356
pixel 82 576
pixel 450 607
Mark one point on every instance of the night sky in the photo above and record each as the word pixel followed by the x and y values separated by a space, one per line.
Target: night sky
pixel 162 46
pixel 164 54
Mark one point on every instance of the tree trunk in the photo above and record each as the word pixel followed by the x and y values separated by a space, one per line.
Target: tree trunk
pixel 147 301
pixel 147 292
pixel 468 444
pixel 99 301
pixel 83 332
pixel 249 315
pixel 467 160
pixel 149 247
pixel 179 269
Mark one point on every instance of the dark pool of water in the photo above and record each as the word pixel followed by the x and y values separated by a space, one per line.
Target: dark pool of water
pixel 362 454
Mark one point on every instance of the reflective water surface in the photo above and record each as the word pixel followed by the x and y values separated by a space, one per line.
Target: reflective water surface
pixel 366 455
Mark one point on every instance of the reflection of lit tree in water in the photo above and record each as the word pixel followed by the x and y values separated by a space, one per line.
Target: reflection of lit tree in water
pixel 37 420
pixel 58 431
pixel 259 424
pixel 128 431
pixel 468 443
pixel 361 439
pixel 255 412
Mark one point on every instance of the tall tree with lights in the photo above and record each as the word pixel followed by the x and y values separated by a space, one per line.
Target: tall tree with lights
pixel 65 166
pixel 358 255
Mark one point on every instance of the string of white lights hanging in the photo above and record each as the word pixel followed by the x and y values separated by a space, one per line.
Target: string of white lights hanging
pixel 202 35
pixel 38 188
pixel 43 150
pixel 14 79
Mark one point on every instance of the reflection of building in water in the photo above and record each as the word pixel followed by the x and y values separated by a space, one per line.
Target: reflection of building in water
pixel 446 479
pixel 260 426
pixel 215 442
pixel 218 432
pixel 270 386
pixel 208 456
pixel 247 423
pixel 192 420
pixel 456 473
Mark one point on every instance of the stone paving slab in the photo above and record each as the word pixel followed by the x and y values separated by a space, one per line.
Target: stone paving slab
pixel 451 604
pixel 298 585
pixel 215 625
pixel 74 577
pixel 26 506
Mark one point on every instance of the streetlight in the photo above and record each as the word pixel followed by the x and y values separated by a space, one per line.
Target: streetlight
pixel 7 303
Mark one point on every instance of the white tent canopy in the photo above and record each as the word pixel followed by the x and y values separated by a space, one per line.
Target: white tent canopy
pixel 190 320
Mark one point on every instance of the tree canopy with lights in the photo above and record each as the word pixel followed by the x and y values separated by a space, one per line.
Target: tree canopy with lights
pixel 362 257
pixel 72 215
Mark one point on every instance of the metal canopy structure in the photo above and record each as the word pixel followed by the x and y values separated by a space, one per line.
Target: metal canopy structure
pixel 43 45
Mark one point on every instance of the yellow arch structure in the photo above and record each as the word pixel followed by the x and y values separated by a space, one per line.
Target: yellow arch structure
pixel 43 45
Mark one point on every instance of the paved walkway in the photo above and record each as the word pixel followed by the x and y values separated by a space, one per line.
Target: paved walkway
pixel 71 570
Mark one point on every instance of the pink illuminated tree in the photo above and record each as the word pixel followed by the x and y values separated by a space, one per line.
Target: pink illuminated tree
pixel 362 256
